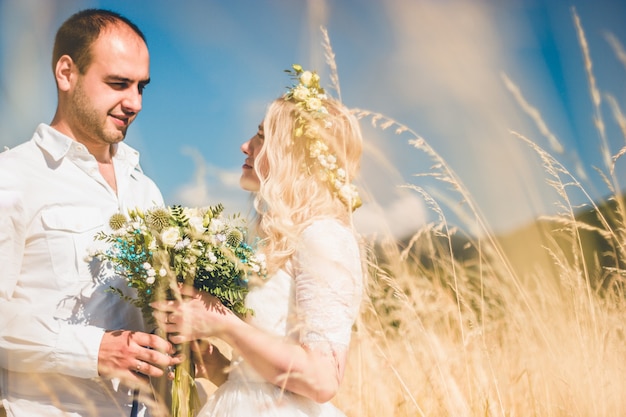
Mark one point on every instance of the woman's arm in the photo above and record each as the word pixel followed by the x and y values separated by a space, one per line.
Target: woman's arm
pixel 328 283
pixel 287 365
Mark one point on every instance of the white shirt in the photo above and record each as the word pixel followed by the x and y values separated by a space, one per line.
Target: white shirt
pixel 54 303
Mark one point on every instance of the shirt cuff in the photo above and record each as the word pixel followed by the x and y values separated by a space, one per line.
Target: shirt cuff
pixel 77 350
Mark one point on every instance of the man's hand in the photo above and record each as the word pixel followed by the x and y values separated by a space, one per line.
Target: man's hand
pixel 133 357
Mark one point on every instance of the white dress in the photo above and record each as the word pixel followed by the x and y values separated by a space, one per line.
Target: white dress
pixel 313 301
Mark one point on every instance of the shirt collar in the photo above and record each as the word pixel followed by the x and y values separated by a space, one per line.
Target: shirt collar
pixel 58 145
pixel 55 143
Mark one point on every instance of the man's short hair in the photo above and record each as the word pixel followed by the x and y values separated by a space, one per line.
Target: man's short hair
pixel 80 31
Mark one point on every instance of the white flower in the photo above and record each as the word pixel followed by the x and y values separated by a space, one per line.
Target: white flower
pixel 150 280
pixel 182 244
pixel 216 225
pixel 92 253
pixel 119 232
pixel 191 212
pixel 170 236
pixel 300 93
pixel 212 257
pixel 151 272
pixel 306 77
pixel 346 192
pixel 196 223
pixel 260 258
pixel 317 148
pixel 146 266
pixel 314 103
pixel 195 217
pixel 162 272
pixel 332 161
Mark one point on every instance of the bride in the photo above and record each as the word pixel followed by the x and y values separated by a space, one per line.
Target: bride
pixel 289 356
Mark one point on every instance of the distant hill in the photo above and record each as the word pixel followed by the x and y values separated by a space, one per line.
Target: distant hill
pixel 589 243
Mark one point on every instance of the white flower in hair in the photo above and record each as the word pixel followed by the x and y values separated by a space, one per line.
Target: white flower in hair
pixel 314 103
pixel 306 78
pixel 301 93
pixel 310 97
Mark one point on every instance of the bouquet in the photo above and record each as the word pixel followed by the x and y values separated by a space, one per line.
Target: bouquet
pixel 159 249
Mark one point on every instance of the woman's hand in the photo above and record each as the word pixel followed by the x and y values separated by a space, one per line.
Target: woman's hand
pixel 196 315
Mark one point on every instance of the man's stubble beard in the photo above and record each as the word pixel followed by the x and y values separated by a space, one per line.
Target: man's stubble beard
pixel 90 121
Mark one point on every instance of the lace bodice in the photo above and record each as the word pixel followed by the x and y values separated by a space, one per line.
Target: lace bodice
pixel 315 298
pixel 313 301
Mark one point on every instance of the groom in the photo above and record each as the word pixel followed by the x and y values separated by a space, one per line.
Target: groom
pixel 67 345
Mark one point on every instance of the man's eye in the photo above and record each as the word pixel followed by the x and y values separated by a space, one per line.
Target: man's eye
pixel 118 86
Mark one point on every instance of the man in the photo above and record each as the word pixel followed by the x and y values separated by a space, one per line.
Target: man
pixel 68 345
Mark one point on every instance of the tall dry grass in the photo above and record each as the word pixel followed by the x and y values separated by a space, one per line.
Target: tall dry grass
pixel 529 325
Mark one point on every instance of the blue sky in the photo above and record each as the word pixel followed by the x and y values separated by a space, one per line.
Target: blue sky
pixel 438 67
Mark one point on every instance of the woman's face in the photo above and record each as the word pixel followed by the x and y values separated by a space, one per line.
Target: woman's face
pixel 249 180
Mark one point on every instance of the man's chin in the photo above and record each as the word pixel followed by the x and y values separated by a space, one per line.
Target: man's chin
pixel 116 136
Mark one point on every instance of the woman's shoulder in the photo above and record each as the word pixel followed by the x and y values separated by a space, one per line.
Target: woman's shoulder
pixel 331 246
pixel 325 227
pixel 329 236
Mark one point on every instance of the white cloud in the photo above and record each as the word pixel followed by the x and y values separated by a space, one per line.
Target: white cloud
pixel 211 185
pixel 400 217
pixel 447 65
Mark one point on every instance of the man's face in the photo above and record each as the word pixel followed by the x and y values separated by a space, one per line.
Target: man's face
pixel 106 99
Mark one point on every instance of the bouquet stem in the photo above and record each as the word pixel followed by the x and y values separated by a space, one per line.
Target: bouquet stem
pixel 185 401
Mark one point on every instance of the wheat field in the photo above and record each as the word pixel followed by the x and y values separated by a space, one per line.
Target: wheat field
pixel 530 324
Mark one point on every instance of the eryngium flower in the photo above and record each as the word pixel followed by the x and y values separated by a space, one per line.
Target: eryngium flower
pixel 158 219
pixel 234 238
pixel 117 221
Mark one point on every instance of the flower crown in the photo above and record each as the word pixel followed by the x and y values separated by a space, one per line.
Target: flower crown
pixel 310 97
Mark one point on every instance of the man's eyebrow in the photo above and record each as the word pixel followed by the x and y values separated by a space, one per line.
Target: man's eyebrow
pixel 126 80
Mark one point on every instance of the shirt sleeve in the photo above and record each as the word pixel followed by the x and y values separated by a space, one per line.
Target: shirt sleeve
pixel 31 341
pixel 329 285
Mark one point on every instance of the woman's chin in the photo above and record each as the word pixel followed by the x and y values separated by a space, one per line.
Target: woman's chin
pixel 249 184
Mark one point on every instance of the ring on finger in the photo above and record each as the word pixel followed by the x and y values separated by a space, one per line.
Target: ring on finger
pixel 169 318
pixel 139 365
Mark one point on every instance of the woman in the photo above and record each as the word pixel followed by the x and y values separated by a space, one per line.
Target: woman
pixel 290 355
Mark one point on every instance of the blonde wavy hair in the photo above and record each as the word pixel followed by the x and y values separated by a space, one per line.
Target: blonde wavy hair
pixel 293 191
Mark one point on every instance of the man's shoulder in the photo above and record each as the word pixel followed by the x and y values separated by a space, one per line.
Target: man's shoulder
pixel 19 153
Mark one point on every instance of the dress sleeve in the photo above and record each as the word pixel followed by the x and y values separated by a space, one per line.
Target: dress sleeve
pixel 328 285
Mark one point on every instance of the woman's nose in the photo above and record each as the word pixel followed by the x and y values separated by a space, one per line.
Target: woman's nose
pixel 245 147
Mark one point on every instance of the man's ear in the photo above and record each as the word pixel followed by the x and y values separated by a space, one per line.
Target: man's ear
pixel 64 72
